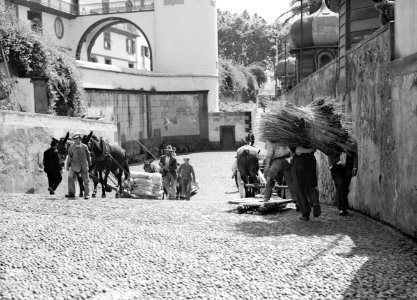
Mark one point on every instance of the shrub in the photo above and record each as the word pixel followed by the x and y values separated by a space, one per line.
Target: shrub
pixel 32 55
pixel 235 80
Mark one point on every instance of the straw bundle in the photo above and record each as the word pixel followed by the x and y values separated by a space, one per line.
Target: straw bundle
pixel 319 125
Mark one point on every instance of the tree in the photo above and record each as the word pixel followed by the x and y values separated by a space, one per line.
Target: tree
pixel 245 39
pixel 310 7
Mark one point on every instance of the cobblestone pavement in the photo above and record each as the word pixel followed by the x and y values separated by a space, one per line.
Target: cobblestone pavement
pixel 52 248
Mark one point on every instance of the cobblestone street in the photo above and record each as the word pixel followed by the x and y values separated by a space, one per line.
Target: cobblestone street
pixel 53 248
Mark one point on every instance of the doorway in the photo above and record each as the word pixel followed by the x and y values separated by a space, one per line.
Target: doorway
pixel 227 137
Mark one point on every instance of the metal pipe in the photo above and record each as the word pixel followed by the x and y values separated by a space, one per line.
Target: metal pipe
pixel 301 48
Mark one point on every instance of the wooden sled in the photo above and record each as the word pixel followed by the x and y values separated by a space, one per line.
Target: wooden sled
pixel 262 206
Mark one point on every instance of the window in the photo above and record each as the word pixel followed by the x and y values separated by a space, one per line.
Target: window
pixel 107 40
pixel 107 61
pixel 131 65
pixel 145 51
pixel 323 59
pixel 59 27
pixel 130 46
pixel 36 19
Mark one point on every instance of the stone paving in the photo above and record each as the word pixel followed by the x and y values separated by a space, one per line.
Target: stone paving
pixel 53 248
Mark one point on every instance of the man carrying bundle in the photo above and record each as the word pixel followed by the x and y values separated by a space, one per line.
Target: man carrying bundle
pixel 343 167
pixel 305 179
pixel 276 163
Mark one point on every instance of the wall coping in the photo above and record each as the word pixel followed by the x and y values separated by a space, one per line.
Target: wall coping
pixel 5 114
pixel 116 69
pixel 334 61
pixel 373 35
pixel 405 65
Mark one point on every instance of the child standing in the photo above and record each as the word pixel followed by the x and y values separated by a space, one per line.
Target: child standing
pixel 187 175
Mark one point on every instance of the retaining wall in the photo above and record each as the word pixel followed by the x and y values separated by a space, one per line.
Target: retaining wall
pixel 23 139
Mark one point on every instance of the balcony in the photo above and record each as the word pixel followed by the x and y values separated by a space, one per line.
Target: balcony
pixel 63 6
pixel 69 8
pixel 116 7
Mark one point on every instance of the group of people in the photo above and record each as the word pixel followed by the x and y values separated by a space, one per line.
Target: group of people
pixel 171 171
pixel 299 168
pixel 78 164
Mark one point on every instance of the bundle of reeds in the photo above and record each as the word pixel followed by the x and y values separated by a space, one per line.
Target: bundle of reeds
pixel 319 125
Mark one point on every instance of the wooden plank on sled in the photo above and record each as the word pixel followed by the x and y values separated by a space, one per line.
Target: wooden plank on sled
pixel 256 185
pixel 263 207
pixel 257 201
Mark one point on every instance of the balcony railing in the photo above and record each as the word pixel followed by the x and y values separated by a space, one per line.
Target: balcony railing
pixel 67 6
pixel 115 7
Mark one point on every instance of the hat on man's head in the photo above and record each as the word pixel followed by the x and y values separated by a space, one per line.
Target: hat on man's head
pixel 169 148
pixel 76 136
pixel 186 158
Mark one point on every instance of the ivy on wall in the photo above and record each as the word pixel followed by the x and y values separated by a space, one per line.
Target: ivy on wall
pixel 30 55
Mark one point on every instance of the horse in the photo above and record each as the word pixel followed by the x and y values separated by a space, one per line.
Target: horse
pixel 62 147
pixel 108 158
pixel 248 167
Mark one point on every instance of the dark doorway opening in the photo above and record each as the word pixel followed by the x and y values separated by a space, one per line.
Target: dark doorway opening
pixel 227 137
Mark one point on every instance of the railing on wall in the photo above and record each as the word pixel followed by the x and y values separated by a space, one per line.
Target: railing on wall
pixel 66 6
pixel 69 7
pixel 115 7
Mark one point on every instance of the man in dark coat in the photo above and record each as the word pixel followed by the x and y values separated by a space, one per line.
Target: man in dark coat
pixel 343 167
pixel 250 138
pixel 305 179
pixel 52 167
pixel 168 163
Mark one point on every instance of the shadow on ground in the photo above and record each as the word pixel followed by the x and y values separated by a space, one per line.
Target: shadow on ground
pixel 391 258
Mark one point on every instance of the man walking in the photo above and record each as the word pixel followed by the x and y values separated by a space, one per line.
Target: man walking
pixel 343 167
pixel 78 161
pixel 305 178
pixel 168 163
pixel 187 175
pixel 52 167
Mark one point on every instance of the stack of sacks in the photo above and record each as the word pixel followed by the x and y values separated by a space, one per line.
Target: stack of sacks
pixel 141 183
pixel 156 179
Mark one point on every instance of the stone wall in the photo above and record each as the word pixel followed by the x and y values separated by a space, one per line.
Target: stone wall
pixel 380 98
pixel 235 119
pixel 320 84
pixel 176 118
pixel 23 139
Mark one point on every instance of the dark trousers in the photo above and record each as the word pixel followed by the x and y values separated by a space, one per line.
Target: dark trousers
pixel 305 179
pixel 341 182
pixel 279 168
pixel 54 179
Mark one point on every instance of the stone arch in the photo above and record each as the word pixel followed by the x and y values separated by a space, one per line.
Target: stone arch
pixel 92 33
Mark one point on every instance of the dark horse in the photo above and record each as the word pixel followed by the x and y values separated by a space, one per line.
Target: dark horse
pixel 248 166
pixel 108 158
pixel 62 147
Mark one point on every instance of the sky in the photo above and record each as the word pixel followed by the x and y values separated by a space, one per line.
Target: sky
pixel 267 9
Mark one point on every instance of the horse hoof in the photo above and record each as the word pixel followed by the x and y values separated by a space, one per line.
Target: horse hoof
pixel 103 196
pixel 117 196
pixel 93 195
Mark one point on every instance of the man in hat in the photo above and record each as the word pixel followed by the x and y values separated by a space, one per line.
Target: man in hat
pixel 187 175
pixel 78 161
pixel 52 167
pixel 168 163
